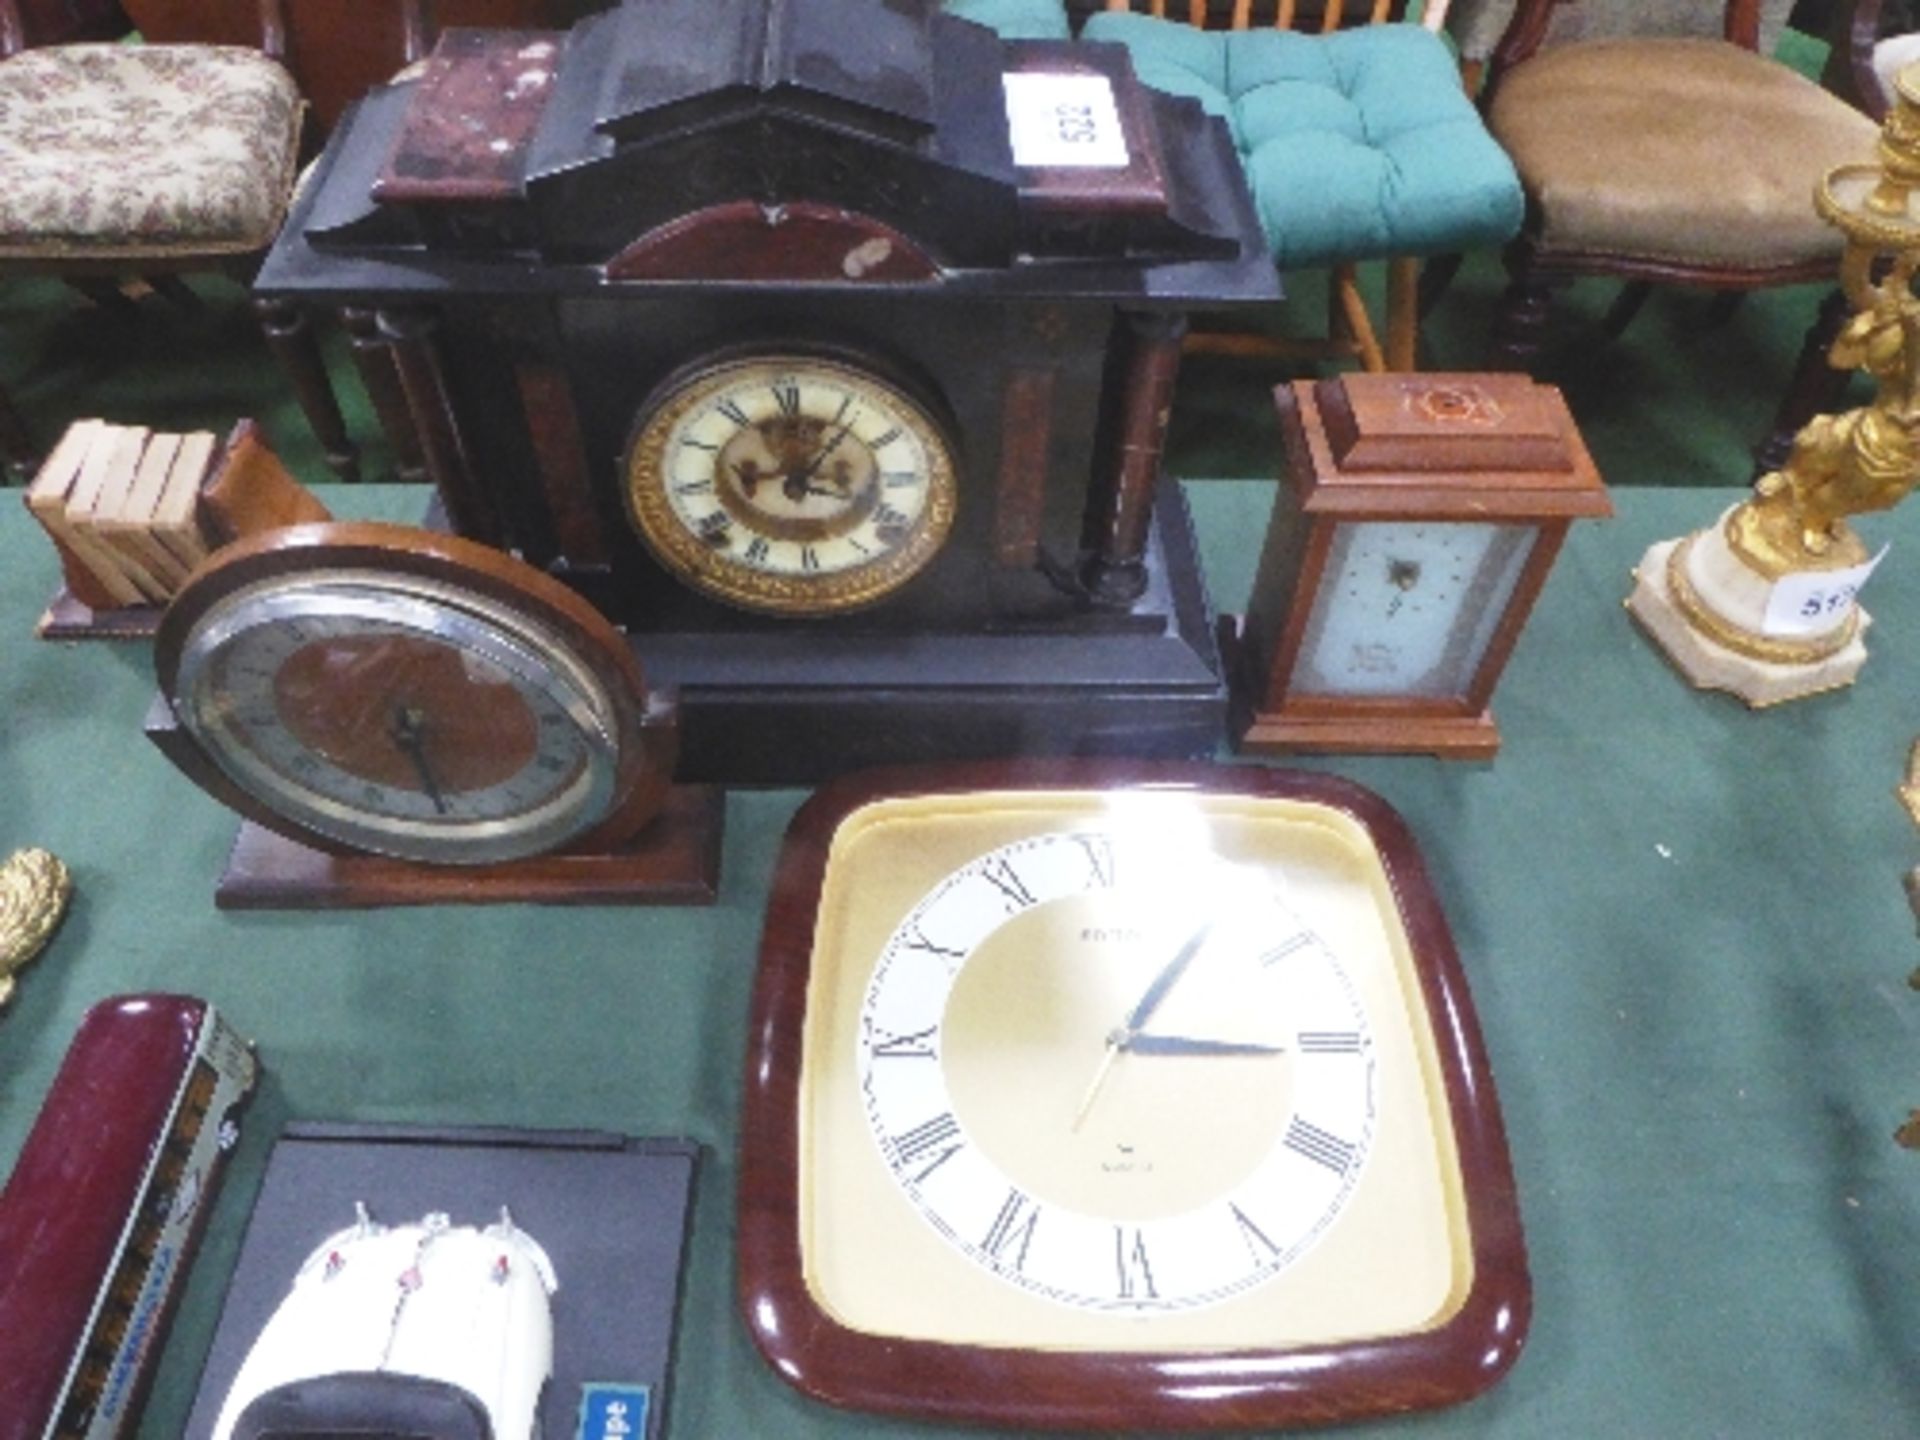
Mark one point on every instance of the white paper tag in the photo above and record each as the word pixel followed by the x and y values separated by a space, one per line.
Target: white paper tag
pixel 1064 122
pixel 1812 601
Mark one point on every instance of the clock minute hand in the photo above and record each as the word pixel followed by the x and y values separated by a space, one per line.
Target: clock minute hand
pixel 1168 977
pixel 408 732
pixel 1191 1045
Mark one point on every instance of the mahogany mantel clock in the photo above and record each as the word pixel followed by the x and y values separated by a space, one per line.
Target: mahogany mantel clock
pixel 826 347
pixel 1417 522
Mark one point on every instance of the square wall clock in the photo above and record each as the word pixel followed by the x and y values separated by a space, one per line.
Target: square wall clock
pixel 1120 1096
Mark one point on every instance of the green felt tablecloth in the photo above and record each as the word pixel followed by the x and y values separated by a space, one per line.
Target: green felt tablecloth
pixel 1682 921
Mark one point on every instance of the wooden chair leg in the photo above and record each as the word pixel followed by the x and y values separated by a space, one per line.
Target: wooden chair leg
pixel 175 290
pixel 1403 313
pixel 1625 306
pixel 102 291
pixel 1351 307
pixel 1436 274
pixel 1816 385
pixel 289 331
pixel 1520 327
pixel 16 447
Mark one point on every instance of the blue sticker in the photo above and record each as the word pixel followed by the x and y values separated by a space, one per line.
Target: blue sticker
pixel 614 1412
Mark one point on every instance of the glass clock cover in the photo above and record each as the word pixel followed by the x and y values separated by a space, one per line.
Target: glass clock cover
pixel 1409 607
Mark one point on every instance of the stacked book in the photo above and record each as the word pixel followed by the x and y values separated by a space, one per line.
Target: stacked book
pixel 132 511
pixel 122 504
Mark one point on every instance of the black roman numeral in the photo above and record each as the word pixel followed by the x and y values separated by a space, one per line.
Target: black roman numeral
pixel 1130 1256
pixel 809 558
pixel 699 444
pixel 1012 1229
pixel 940 1134
pixel 916 1045
pixel 899 479
pixel 880 442
pixel 1003 878
pixel 1328 1042
pixel 1099 860
pixel 731 409
pixel 1263 1250
pixel 1318 1146
pixel 693 487
pixel 916 939
pixel 757 549
pixel 786 394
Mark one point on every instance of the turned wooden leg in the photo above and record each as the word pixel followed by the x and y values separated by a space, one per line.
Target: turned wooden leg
pixel 1403 313
pixel 16 449
pixel 1626 305
pixel 1520 327
pixel 1816 385
pixel 290 336
pixel 374 361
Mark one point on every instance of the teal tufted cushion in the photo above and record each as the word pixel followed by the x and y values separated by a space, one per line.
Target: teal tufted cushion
pixel 1015 19
pixel 1357 145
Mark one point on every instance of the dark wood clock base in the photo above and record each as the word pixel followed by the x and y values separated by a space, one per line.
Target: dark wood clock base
pixel 675 860
pixel 1449 737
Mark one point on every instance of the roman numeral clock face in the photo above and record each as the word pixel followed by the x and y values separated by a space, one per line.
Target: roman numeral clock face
pixel 1120 1106
pixel 790 485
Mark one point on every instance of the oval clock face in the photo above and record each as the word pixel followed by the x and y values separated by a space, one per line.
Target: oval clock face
pixel 790 484
pixel 400 715
pixel 1199 1056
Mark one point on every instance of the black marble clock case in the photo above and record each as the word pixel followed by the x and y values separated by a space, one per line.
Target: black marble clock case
pixel 687 182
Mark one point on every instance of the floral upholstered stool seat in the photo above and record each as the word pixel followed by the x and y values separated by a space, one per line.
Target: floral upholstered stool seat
pixel 144 150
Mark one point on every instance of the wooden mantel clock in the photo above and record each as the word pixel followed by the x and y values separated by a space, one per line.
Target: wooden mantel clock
pixel 405 717
pixel 826 347
pixel 1119 1096
pixel 1413 531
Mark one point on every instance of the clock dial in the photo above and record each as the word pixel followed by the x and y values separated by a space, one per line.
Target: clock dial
pixel 1103 1071
pixel 1408 607
pixel 1122 1097
pixel 791 484
pixel 409 695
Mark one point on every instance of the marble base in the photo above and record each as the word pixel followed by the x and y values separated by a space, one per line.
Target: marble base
pixel 1712 666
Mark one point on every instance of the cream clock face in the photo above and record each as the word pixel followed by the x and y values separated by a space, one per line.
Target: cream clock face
pixel 1115 1092
pixel 1093 1071
pixel 790 484
pixel 1408 607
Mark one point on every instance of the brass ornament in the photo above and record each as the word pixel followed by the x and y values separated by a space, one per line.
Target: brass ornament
pixel 34 887
pixel 1868 458
pixel 1774 650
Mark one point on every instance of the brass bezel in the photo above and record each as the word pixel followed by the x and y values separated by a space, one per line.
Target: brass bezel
pixel 684 554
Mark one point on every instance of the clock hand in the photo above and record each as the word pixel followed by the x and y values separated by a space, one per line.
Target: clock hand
pixel 1189 1045
pixel 1168 977
pixel 1125 1035
pixel 409 733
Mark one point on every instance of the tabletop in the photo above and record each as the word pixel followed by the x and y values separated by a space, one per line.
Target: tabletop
pixel 1682 922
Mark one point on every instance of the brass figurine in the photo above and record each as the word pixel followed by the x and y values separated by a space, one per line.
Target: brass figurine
pixel 1705 597
pixel 34 886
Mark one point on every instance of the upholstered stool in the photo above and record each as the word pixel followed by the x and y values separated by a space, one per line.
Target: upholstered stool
pixel 1358 145
pixel 144 150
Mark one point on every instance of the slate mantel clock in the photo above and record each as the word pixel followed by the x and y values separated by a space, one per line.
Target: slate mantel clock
pixel 1119 1096
pixel 1411 535
pixel 826 347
